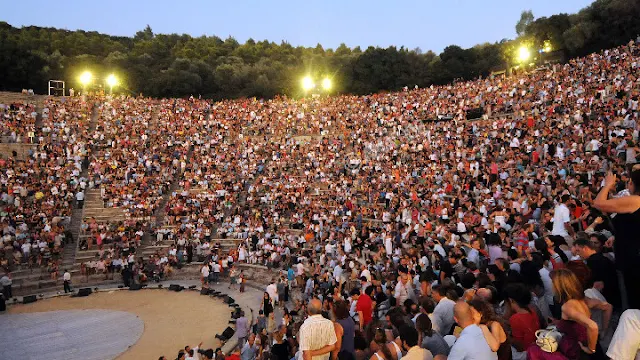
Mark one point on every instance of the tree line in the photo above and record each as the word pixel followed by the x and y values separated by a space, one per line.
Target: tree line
pixel 173 65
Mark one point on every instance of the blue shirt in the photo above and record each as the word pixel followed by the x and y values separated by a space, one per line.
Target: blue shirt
pixel 471 345
pixel 242 327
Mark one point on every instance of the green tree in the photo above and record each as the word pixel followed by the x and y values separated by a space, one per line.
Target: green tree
pixel 526 18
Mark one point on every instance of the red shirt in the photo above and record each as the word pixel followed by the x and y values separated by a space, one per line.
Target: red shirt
pixel 524 327
pixel 365 304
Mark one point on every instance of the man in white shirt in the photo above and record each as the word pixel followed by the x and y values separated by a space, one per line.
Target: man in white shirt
pixel 561 219
pixel 443 312
pixel 192 353
pixel 471 344
pixel 80 198
pixel 67 281
pixel 337 273
pixel 366 273
pixel 216 272
pixel 205 275
pixel 272 290
pixel 317 334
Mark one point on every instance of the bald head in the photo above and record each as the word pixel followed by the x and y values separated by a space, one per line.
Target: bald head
pixel 462 314
pixel 315 307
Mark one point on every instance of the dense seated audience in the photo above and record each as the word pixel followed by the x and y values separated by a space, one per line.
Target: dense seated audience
pixel 405 228
pixel 416 227
pixel 38 193
pixel 18 122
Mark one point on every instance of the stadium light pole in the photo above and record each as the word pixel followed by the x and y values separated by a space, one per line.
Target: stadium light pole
pixel 112 81
pixel 85 79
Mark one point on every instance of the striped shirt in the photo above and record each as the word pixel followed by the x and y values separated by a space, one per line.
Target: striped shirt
pixel 315 333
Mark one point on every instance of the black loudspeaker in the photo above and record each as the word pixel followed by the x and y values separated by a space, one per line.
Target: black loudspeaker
pixel 3 304
pixel 135 287
pixel 204 291
pixel 176 287
pixel 84 292
pixel 228 299
pixel 226 334
pixel 29 299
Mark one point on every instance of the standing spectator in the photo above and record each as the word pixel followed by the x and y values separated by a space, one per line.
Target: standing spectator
pixel 242 328
pixel 627 227
pixel 272 290
pixel 562 218
pixel 233 277
pixel 317 334
pixel 242 280
pixel 216 272
pixel 267 305
pixel 204 275
pixel 625 344
pixel 67 281
pixel 364 307
pixel 80 198
pixel 341 312
pixel 6 282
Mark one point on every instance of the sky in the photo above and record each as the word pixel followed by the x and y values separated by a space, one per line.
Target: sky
pixel 427 24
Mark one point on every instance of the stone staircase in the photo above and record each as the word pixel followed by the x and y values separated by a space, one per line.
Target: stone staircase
pixel 94 208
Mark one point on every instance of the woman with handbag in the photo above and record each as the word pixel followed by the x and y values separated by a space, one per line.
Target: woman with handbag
pixel 579 340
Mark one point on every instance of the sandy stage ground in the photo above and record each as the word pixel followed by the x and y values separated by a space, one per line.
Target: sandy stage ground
pixel 171 319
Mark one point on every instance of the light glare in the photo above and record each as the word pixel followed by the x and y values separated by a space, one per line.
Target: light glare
pixel 523 54
pixel 112 80
pixel 326 84
pixel 307 83
pixel 85 78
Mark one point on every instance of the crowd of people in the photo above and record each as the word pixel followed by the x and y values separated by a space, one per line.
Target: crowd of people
pixel 439 234
pixel 38 193
pixel 409 230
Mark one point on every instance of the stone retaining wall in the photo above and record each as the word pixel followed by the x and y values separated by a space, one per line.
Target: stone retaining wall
pixel 256 274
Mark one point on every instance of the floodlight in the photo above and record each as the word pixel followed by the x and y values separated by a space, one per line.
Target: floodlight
pixel 523 54
pixel 85 78
pixel 326 84
pixel 112 80
pixel 307 83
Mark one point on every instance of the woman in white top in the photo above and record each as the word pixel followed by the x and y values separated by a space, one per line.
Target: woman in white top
pixel 385 349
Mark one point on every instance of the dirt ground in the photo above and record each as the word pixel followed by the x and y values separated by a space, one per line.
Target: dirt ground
pixel 171 319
